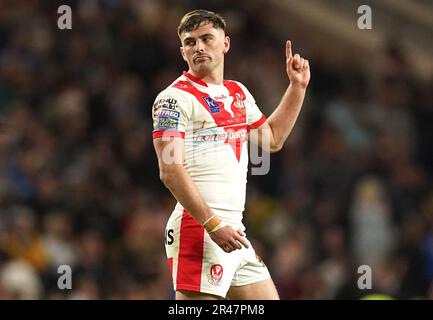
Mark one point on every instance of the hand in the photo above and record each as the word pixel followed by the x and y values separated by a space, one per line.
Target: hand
pixel 298 68
pixel 229 239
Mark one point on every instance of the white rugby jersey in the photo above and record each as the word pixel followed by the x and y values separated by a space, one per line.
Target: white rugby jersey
pixel 214 121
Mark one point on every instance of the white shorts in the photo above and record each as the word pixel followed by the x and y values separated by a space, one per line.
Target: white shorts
pixel 199 264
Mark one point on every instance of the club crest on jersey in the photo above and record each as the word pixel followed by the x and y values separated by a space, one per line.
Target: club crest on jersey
pixel 238 101
pixel 212 104
pixel 216 273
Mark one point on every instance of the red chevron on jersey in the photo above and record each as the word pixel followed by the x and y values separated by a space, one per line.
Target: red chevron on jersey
pixel 223 117
pixel 235 125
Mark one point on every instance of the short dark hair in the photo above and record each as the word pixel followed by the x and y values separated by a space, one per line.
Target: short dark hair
pixel 194 19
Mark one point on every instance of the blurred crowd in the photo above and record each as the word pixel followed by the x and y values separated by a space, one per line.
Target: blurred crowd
pixel 79 180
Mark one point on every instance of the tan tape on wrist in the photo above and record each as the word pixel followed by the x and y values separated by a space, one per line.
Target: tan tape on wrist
pixel 221 225
pixel 211 223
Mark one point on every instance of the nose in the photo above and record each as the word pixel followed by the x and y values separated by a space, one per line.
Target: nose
pixel 199 46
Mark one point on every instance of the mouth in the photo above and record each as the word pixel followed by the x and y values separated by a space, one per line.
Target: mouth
pixel 201 58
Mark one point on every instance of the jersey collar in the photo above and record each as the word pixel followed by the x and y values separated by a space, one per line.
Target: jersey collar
pixel 194 79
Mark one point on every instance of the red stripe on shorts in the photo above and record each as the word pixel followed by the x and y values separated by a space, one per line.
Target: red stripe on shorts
pixel 189 267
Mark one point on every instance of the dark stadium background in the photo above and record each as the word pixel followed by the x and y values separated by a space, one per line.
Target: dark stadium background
pixel 79 181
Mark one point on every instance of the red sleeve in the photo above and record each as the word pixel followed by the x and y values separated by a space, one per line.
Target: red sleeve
pixel 168 134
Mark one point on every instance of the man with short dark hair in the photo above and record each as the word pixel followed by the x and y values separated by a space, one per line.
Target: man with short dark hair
pixel 202 124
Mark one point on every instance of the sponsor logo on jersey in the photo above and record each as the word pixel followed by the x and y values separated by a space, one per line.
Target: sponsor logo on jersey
pixel 166 123
pixel 212 104
pixel 168 113
pixel 199 137
pixel 165 115
pixel 170 104
pixel 229 135
pixel 235 134
pixel 215 275
pixel 220 97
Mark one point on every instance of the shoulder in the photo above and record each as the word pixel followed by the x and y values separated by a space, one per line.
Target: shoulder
pixel 170 93
pixel 242 88
pixel 171 96
pixel 240 84
pixel 171 101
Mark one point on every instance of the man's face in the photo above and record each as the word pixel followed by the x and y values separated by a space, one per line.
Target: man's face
pixel 203 49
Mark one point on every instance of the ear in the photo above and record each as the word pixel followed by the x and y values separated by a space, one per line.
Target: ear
pixel 182 53
pixel 226 44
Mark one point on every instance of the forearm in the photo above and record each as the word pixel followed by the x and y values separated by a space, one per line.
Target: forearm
pixel 283 119
pixel 183 188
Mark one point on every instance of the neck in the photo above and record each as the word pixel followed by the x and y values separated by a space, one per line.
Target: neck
pixel 214 77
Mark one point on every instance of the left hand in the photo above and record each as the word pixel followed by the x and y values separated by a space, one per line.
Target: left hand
pixel 298 68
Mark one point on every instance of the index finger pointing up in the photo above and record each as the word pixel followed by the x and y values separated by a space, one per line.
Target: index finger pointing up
pixel 288 49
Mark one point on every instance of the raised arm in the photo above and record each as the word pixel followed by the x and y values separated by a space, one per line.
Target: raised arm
pixel 281 122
